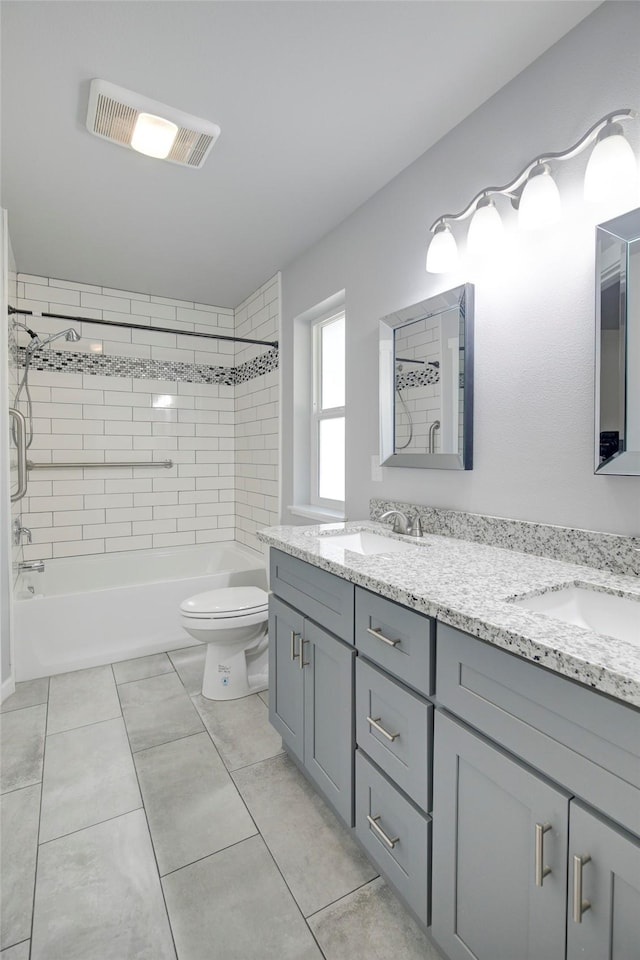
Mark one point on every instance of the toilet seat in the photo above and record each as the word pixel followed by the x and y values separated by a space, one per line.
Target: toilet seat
pixel 226 603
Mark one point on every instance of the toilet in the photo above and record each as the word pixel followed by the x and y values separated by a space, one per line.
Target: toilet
pixel 232 621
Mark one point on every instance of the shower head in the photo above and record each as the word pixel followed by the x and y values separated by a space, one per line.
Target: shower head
pixel 37 344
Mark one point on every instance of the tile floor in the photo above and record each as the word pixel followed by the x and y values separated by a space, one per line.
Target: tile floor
pixel 140 821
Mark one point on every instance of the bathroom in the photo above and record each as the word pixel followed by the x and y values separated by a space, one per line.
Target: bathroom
pixel 238 448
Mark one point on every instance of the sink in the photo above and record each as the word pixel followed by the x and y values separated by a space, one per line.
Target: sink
pixel 365 542
pixel 604 613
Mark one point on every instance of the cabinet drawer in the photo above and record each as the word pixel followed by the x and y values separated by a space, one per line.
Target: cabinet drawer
pixel 398 639
pixel 402 716
pixel 579 738
pixel 404 856
pixel 323 597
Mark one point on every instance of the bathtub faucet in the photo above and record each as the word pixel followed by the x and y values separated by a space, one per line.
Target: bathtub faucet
pixel 31 566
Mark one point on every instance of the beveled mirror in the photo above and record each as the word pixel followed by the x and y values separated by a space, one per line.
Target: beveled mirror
pixel 426 383
pixel 617 401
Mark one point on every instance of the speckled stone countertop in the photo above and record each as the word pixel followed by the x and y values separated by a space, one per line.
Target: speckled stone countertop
pixel 470 586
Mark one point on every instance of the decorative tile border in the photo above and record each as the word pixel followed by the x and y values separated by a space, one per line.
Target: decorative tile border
pixel 417 378
pixel 68 361
pixel 605 551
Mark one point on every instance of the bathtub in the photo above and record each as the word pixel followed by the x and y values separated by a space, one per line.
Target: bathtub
pixel 93 610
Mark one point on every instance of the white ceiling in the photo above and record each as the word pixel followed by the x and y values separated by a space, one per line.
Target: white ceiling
pixel 320 104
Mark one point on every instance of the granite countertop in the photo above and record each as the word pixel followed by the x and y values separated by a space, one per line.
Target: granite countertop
pixel 470 586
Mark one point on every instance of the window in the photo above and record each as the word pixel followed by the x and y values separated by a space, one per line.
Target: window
pixel 327 447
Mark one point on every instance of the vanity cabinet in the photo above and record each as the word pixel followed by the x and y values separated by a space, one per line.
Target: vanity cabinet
pixel 311 671
pixel 523 866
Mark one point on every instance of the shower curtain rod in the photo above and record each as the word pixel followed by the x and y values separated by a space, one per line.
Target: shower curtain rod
pixel 142 326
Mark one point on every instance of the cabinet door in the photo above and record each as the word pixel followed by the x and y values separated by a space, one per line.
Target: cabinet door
pixel 328 717
pixel 610 928
pixel 486 904
pixel 286 683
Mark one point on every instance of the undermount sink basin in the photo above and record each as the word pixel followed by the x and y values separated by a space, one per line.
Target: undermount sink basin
pixel 604 613
pixel 365 541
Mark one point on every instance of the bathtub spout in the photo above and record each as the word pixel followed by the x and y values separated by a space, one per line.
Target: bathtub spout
pixel 31 566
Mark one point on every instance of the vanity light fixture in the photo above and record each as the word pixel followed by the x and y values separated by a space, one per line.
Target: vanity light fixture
pixel 611 171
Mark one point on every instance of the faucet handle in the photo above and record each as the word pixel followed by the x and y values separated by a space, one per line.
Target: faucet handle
pixel 415 526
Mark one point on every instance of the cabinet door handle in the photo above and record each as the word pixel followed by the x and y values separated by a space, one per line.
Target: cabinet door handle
pixel 580 906
pixel 373 823
pixel 303 663
pixel 374 722
pixel 541 871
pixel 294 655
pixel 381 636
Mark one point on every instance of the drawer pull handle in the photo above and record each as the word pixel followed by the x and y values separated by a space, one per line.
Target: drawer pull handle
pixel 381 636
pixel 374 722
pixel 373 823
pixel 580 906
pixel 303 663
pixel 293 654
pixel 541 871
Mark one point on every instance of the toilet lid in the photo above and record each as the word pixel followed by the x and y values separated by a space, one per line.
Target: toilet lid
pixel 226 602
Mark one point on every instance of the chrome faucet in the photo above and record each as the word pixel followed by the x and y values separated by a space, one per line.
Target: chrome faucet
pixel 408 526
pixel 31 566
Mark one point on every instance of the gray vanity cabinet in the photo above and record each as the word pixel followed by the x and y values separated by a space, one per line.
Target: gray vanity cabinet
pixel 311 671
pixel 604 866
pixel 495 822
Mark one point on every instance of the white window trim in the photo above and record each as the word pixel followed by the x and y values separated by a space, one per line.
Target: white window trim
pixel 318 414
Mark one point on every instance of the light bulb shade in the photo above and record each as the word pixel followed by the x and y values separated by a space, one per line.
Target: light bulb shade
pixel 486 231
pixel 442 255
pixel 612 170
pixel 540 201
pixel 153 136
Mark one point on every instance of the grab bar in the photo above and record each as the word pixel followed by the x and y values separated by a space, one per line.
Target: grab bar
pixel 112 463
pixel 21 445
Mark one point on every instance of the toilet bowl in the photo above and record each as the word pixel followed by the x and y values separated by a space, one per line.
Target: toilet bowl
pixel 232 622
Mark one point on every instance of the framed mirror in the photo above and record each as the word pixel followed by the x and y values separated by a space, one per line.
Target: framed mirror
pixel 426 383
pixel 617 400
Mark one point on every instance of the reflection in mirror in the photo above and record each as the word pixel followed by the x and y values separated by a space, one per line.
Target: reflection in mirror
pixel 426 357
pixel 618 346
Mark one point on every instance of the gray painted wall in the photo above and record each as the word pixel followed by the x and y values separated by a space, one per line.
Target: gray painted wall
pixel 534 321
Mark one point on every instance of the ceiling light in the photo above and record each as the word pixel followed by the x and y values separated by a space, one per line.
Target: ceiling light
pixel 486 230
pixel 154 136
pixel 442 255
pixel 539 204
pixel 612 170
pixel 535 195
pixel 121 116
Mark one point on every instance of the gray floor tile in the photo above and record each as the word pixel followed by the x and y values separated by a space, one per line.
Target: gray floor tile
pixel 88 777
pixel 28 694
pixel 189 664
pixel 240 729
pixel 264 696
pixel 235 905
pixel 192 803
pixel 81 697
pixel 22 747
pixel 316 854
pixel 19 814
pixel 158 710
pixel 109 905
pixel 19 952
pixel 370 923
pixel 142 667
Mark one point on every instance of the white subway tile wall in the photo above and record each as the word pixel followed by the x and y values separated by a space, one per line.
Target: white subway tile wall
pixel 419 401
pixel 222 439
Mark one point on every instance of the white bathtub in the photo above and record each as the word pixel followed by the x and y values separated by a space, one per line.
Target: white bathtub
pixel 88 611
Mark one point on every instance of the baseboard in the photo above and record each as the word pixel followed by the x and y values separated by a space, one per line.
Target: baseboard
pixel 8 687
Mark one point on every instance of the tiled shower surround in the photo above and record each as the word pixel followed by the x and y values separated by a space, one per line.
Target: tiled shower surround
pixel 118 394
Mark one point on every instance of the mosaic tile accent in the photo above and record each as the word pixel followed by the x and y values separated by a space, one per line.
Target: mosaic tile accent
pixel 143 369
pixel 424 377
pixel 605 551
pixel 472 586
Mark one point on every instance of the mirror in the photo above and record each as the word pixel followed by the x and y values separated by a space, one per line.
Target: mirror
pixel 617 406
pixel 426 383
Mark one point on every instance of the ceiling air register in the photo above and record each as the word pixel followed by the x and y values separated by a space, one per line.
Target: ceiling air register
pixel 147 126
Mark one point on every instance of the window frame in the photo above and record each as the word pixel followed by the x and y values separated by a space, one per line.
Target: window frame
pixel 318 414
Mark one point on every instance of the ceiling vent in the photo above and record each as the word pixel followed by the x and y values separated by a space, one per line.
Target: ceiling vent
pixel 114 114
